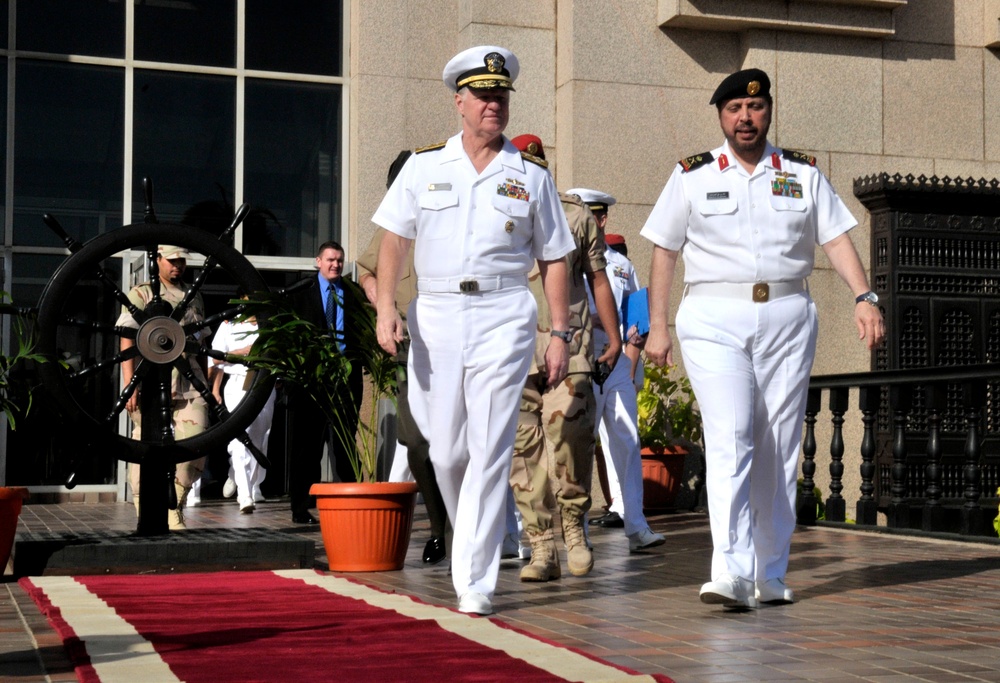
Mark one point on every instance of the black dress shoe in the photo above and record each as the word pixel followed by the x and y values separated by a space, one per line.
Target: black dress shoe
pixel 435 550
pixel 609 520
pixel 303 518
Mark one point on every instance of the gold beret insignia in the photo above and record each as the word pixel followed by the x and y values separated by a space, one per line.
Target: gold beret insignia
pixel 753 87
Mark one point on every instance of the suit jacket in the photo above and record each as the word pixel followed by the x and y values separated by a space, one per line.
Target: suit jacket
pixel 308 303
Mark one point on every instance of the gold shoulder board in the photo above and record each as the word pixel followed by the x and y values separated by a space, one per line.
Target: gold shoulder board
pixel 430 148
pixel 535 160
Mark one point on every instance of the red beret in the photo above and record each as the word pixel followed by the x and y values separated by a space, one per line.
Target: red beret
pixel 611 239
pixel 532 144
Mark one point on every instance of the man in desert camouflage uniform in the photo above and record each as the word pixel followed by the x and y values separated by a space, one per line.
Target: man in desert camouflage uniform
pixel 189 412
pixel 561 417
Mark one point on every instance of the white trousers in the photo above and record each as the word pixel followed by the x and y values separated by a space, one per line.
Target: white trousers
pixel 617 427
pixel 469 359
pixel 749 366
pixel 243 467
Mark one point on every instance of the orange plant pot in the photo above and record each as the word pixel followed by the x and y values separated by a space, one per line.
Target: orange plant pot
pixel 662 470
pixel 11 498
pixel 365 527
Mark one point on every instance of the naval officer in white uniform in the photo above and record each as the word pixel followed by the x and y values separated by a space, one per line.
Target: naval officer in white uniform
pixel 478 214
pixel 747 217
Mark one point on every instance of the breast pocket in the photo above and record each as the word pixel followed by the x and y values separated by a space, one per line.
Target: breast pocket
pixel 511 223
pixel 717 218
pixel 439 211
pixel 791 216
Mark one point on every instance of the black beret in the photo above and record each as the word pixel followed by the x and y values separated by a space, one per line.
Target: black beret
pixel 746 83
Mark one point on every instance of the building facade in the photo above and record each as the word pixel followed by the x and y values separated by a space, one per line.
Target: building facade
pixel 299 107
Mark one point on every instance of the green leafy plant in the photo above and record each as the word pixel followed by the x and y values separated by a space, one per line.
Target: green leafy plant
pixel 996 520
pixel 297 351
pixel 668 411
pixel 14 392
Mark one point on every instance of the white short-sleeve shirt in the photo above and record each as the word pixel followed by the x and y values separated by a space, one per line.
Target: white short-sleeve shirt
pixel 469 224
pixel 230 336
pixel 735 226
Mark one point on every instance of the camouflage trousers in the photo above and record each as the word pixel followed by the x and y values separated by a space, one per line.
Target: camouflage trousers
pixel 557 423
pixel 190 417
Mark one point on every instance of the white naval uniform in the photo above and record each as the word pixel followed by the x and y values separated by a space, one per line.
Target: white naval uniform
pixel 749 363
pixel 244 469
pixel 470 352
pixel 617 412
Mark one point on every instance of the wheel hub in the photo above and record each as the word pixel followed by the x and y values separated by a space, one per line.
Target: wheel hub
pixel 160 340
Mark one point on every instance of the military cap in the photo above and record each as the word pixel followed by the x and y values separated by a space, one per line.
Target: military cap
pixel 613 239
pixel 746 83
pixel 532 144
pixel 482 68
pixel 169 251
pixel 595 201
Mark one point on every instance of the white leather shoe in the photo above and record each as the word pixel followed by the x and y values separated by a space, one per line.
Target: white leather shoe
pixel 774 592
pixel 258 497
pixel 732 592
pixel 646 538
pixel 229 489
pixel 475 603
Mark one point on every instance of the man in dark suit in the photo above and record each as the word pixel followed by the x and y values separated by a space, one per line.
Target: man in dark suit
pixel 328 302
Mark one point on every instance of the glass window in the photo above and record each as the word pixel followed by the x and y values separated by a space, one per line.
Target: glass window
pixel 297 36
pixel 67 150
pixel 184 140
pixel 3 18
pixel 73 27
pixel 292 167
pixel 190 32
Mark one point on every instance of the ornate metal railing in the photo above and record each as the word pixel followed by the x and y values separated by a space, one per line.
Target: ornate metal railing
pixel 915 439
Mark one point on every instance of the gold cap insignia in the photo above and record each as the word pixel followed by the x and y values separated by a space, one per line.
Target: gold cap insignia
pixel 532 149
pixel 753 87
pixel 494 62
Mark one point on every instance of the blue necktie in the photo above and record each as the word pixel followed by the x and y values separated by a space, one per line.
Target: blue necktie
pixel 331 308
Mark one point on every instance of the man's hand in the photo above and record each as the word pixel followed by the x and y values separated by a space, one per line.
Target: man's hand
pixel 370 284
pixel 556 361
pixel 612 351
pixel 660 347
pixel 871 326
pixel 389 328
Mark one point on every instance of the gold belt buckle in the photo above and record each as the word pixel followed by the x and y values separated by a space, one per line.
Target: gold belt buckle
pixel 761 292
pixel 467 286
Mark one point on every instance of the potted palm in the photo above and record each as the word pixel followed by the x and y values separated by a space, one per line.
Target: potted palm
pixel 365 524
pixel 15 401
pixel 669 424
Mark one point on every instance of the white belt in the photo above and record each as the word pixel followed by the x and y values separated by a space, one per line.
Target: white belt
pixel 469 284
pixel 758 292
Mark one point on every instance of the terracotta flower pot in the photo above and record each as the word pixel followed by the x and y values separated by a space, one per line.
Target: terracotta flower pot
pixel 365 527
pixel 662 470
pixel 11 498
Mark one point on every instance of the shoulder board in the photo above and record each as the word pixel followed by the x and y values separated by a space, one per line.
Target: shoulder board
pixel 430 148
pixel 801 157
pixel 535 160
pixel 696 161
pixel 570 199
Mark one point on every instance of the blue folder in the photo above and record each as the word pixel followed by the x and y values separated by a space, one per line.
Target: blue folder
pixel 635 311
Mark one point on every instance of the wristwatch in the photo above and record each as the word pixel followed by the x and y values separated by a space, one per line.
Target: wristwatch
pixel 869 296
pixel 566 336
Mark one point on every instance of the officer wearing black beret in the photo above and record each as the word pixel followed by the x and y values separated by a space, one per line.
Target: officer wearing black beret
pixel 747 217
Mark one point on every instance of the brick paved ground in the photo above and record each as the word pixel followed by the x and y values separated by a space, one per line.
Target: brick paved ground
pixel 871 607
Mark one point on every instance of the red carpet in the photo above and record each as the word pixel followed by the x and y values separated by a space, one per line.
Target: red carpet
pixel 296 625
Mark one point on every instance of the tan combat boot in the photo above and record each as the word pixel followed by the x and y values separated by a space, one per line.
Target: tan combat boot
pixel 544 565
pixel 175 518
pixel 578 556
